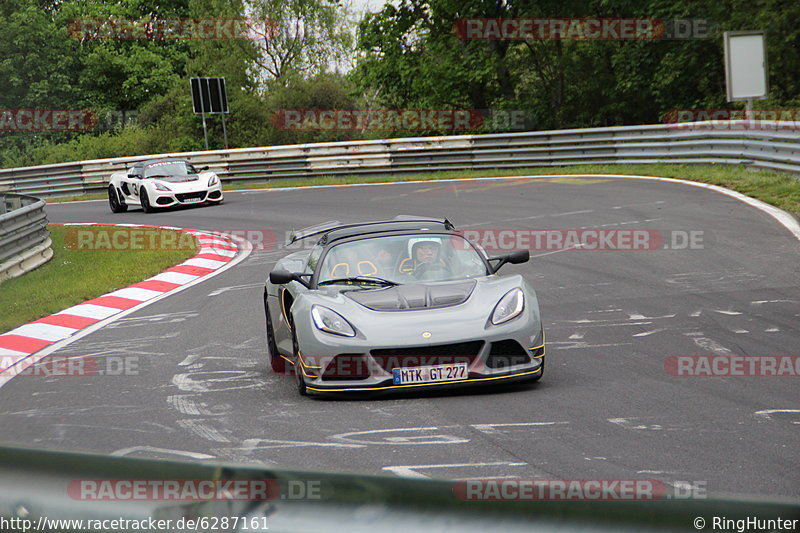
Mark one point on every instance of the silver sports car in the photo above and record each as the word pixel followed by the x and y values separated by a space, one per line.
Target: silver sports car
pixel 401 304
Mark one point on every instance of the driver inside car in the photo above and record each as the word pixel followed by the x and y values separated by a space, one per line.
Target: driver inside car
pixel 424 253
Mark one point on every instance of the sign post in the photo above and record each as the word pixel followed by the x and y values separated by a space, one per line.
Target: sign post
pixel 210 97
pixel 746 67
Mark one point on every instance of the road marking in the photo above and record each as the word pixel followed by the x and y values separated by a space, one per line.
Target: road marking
pixel 559 251
pixel 709 344
pixel 192 382
pixel 250 445
pixel 421 439
pixel 491 428
pixel 637 316
pixel 767 412
pixel 222 290
pixel 630 423
pixel 646 333
pixel 409 471
pixel 580 345
pixel 127 451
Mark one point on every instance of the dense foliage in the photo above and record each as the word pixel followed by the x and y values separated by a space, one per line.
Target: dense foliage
pixel 406 56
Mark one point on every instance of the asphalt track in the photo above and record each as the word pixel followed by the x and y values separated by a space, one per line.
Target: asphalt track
pixel 606 408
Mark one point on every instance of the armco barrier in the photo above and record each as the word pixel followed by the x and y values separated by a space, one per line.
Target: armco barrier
pixel 24 239
pixel 768 145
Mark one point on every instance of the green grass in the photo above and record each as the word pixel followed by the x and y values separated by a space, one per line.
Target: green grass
pixel 775 188
pixel 73 275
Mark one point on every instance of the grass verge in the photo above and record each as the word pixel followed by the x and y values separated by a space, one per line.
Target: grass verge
pixel 73 275
pixel 775 188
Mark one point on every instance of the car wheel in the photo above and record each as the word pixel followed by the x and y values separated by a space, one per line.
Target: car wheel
pixel 277 362
pixel 298 370
pixel 146 207
pixel 117 206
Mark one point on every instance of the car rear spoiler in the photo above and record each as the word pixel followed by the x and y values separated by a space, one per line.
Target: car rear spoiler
pixel 330 225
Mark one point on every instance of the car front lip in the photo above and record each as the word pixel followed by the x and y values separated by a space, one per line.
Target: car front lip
pixel 478 373
pixel 388 385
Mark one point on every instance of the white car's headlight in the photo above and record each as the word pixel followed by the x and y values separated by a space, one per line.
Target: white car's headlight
pixel 509 306
pixel 160 186
pixel 330 321
pixel 213 180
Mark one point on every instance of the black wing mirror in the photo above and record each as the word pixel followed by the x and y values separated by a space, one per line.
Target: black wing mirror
pixel 282 277
pixel 515 258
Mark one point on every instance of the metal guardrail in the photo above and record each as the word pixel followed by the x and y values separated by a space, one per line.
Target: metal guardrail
pixel 24 239
pixel 39 487
pixel 765 144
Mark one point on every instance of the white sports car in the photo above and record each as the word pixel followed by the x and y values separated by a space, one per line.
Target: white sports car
pixel 158 183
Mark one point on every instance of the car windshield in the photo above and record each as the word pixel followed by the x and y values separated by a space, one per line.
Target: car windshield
pixel 171 168
pixel 402 259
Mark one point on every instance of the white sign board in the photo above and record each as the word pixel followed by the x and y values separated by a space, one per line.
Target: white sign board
pixel 745 65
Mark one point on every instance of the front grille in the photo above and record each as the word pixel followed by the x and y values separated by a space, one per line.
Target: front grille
pixel 507 353
pixel 442 354
pixel 182 197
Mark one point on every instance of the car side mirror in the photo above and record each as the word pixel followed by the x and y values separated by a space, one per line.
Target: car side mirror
pixel 282 277
pixel 515 258
pixel 204 168
pixel 518 257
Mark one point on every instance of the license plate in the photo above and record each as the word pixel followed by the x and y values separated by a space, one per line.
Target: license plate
pixel 192 200
pixel 429 374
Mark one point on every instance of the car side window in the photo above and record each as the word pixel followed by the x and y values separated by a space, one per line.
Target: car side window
pixel 313 258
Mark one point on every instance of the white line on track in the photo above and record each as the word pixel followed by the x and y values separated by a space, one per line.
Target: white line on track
pixel 410 471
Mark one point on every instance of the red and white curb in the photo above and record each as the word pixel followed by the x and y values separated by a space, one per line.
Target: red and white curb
pixel 22 347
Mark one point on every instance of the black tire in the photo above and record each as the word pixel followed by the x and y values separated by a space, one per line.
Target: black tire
pixel 298 370
pixel 145 200
pixel 114 201
pixel 276 362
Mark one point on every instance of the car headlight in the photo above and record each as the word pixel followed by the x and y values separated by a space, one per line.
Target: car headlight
pixel 509 306
pixel 330 321
pixel 160 186
pixel 213 180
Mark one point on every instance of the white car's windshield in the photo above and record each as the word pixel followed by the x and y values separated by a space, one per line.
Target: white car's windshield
pixel 403 259
pixel 169 169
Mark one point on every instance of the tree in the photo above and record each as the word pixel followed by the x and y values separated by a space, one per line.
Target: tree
pixel 301 38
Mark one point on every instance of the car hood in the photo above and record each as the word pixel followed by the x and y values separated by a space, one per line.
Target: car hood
pixel 414 296
pixel 178 179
